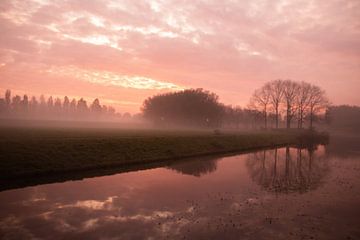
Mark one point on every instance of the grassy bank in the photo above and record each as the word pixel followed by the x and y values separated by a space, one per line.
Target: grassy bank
pixel 32 152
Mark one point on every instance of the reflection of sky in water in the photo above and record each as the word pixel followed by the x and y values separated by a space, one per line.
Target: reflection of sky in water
pixel 176 201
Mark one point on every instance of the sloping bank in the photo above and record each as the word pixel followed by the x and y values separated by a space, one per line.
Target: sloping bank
pixel 58 152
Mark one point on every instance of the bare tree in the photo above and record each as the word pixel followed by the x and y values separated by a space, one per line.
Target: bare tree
pixel 276 89
pixel 260 101
pixel 302 101
pixel 291 90
pixel 317 102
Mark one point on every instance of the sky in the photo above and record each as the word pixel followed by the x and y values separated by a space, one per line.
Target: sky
pixel 125 51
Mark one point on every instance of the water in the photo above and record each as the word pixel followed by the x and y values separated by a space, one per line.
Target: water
pixel 284 193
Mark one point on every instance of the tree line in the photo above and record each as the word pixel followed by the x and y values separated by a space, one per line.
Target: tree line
pixel 190 107
pixel 277 103
pixel 298 101
pixel 280 102
pixel 53 108
pixel 344 117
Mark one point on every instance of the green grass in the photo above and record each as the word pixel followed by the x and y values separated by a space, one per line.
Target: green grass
pixel 36 151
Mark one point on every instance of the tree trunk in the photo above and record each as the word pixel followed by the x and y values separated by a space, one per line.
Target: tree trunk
pixel 277 116
pixel 288 117
pixel 265 115
pixel 299 119
pixel 311 118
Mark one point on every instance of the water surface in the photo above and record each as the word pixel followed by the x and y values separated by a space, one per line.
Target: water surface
pixel 285 193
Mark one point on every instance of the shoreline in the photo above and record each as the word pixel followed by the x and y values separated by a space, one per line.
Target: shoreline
pixel 50 152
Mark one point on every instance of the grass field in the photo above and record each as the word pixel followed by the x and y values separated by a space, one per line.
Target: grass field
pixel 38 151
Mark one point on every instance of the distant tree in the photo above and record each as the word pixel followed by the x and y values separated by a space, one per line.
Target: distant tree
pixel 276 89
pixel 344 117
pixel 291 90
pixel 111 111
pixel 33 106
pixel 72 107
pixel 25 104
pixel 66 105
pixel 317 102
pixel 58 106
pixel 50 103
pixel 42 100
pixel 194 107
pixel 2 106
pixel 260 101
pixel 82 107
pixel 104 109
pixel 21 107
pixel 16 104
pixel 302 101
pixel 127 115
pixel 8 98
pixel 95 107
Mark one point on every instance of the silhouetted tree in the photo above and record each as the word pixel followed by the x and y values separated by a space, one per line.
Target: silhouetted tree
pixel 66 105
pixel 127 115
pixel 82 107
pixel 8 98
pixel 33 105
pixel 188 107
pixel 344 117
pixel 260 101
pixel 51 108
pixel 95 107
pixel 302 101
pixel 72 107
pixel 317 102
pixel 25 104
pixel 58 107
pixel 2 106
pixel 43 105
pixel 276 89
pixel 50 104
pixel 16 104
pixel 111 111
pixel 291 90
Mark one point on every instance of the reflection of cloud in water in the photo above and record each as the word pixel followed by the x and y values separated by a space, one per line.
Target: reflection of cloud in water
pixel 93 204
pixel 288 169
pixel 159 203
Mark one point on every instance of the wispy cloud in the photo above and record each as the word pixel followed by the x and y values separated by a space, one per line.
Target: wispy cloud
pixel 110 78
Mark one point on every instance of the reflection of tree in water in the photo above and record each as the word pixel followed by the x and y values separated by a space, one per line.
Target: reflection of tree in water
pixel 196 167
pixel 288 169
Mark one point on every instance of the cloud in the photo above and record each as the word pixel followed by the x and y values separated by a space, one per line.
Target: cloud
pixel 223 46
pixel 110 78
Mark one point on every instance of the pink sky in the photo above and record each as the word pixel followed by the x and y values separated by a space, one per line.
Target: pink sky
pixel 125 51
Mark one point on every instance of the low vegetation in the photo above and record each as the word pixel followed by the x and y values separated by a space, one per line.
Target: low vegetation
pixel 31 152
